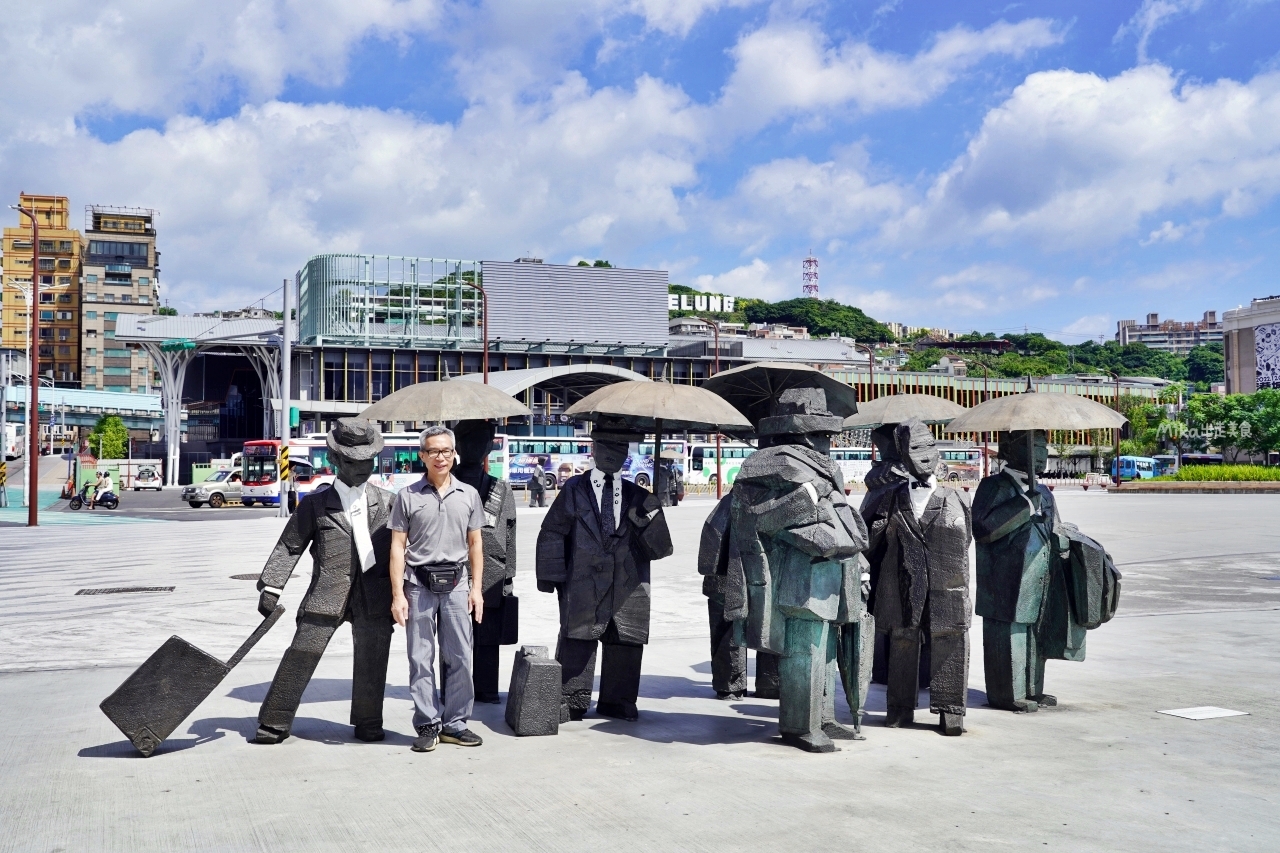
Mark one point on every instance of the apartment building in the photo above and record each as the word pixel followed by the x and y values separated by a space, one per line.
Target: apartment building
pixel 121 275
pixel 58 278
pixel 1172 336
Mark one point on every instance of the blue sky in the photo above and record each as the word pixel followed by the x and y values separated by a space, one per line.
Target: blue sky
pixel 1054 166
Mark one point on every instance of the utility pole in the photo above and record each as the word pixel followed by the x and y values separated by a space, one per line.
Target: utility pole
pixel 286 429
pixel 33 375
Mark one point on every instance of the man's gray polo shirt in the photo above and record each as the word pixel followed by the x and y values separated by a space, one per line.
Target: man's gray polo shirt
pixel 437 523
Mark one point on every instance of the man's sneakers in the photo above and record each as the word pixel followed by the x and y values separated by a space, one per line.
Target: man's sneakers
pixel 428 737
pixel 466 737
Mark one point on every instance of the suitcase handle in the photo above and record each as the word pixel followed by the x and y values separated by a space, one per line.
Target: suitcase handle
pixel 258 634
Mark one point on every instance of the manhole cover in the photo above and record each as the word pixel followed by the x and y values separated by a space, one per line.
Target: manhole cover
pixel 253 577
pixel 114 590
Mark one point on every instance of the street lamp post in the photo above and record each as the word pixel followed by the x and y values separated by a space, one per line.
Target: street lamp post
pixel 1116 459
pixel 286 427
pixel 484 327
pixel 33 375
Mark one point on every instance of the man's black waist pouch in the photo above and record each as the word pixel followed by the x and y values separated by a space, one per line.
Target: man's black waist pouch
pixel 439 577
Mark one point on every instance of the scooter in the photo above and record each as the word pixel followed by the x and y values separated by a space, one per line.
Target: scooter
pixel 106 500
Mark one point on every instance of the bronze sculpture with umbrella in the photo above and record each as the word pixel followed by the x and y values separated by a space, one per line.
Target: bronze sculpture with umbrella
pixel 655 406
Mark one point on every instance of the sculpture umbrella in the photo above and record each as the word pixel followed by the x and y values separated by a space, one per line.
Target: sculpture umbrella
pixel 656 406
pixel 901 407
pixel 446 400
pixel 753 388
pixel 1037 410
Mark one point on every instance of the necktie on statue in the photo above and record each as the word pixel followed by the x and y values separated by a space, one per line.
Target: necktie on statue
pixel 607 525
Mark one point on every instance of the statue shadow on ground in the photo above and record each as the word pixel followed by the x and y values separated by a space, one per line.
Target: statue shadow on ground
pixel 682 727
pixel 673 686
pixel 318 690
pixel 204 730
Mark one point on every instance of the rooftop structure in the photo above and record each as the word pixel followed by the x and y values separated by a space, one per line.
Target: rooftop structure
pixel 1251 344
pixel 1170 336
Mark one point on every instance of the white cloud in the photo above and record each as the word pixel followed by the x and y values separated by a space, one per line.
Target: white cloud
pixel 989 287
pixel 1148 19
pixel 796 196
pixel 677 17
pixel 1076 160
pixel 756 279
pixel 1194 275
pixel 789 67
pixel 136 56
pixel 1088 326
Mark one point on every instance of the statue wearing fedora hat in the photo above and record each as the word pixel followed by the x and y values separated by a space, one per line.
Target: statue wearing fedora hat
pixel 594 550
pixel 346 529
pixel 794 570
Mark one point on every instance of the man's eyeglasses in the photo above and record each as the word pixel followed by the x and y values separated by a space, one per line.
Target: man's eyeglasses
pixel 447 453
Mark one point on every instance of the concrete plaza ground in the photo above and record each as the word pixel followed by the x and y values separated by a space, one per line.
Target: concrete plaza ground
pixel 1199 617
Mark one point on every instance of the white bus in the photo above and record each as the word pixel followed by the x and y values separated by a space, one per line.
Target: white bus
pixel 700 467
pixel 398 463
pixel 854 462
pixel 13 436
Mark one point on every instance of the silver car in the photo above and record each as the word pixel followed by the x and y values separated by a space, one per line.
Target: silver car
pixel 215 491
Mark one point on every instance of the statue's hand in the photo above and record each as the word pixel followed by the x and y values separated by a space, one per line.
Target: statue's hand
pixel 267 602
pixel 640 520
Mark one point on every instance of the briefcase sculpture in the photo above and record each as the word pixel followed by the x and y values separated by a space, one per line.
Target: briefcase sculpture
pixel 169 686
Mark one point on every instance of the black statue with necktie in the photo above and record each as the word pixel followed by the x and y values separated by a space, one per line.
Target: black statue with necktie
pixel 594 551
pixel 341 590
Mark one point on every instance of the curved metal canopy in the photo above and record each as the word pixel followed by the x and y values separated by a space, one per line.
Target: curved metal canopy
pixel 1037 410
pixel 570 382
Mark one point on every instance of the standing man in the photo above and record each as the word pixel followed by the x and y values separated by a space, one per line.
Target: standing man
pixel 436 552
pixel 346 529
pixel 594 550
pixel 538 484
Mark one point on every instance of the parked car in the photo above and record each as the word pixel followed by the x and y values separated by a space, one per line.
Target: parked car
pixel 148 478
pixel 215 491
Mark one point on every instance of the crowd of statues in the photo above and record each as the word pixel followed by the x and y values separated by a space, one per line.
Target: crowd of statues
pixel 830 597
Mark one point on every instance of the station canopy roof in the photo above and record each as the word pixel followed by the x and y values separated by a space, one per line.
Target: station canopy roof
pixel 570 382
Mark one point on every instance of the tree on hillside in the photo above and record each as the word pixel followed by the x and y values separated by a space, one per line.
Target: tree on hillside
pixel 1206 365
pixel 821 317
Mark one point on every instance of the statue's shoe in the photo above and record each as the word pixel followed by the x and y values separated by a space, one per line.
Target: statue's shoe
pixel 489 698
pixel 370 734
pixel 729 697
pixel 1018 706
pixel 839 731
pixel 267 735
pixel 952 725
pixel 895 718
pixel 1047 701
pixel 810 742
pixel 618 710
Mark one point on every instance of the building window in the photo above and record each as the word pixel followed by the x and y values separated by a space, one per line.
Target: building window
pixel 144 280
pixel 357 376
pixel 46 352
pixel 112 315
pixel 109 297
pixel 64 245
pixel 89 297
pixel 64 263
pixel 109 334
pixel 63 281
pixel 334 386
pixel 66 315
pixel 381 374
pixel 91 315
pixel 92 371
pixel 64 334
pixel 46 315
pixel 64 297
pixel 46 263
pixel 46 279
pixel 90 333
pixel 91 352
pixel 92 278
pixel 124 297
pixel 46 298
pixel 46 334
pixel 144 300
pixel 64 350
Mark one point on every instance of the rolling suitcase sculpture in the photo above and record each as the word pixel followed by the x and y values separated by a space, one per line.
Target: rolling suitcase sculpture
pixel 172 683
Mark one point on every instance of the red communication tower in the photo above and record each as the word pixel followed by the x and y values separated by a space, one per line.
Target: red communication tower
pixel 810 277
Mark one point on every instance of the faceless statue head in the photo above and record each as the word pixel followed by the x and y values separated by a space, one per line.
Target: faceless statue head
pixel 800 417
pixel 609 455
pixel 354 445
pixel 1014 449
pixel 353 472
pixel 916 448
pixel 474 441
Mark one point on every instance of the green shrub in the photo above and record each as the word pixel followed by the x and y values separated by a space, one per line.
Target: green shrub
pixel 1223 473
